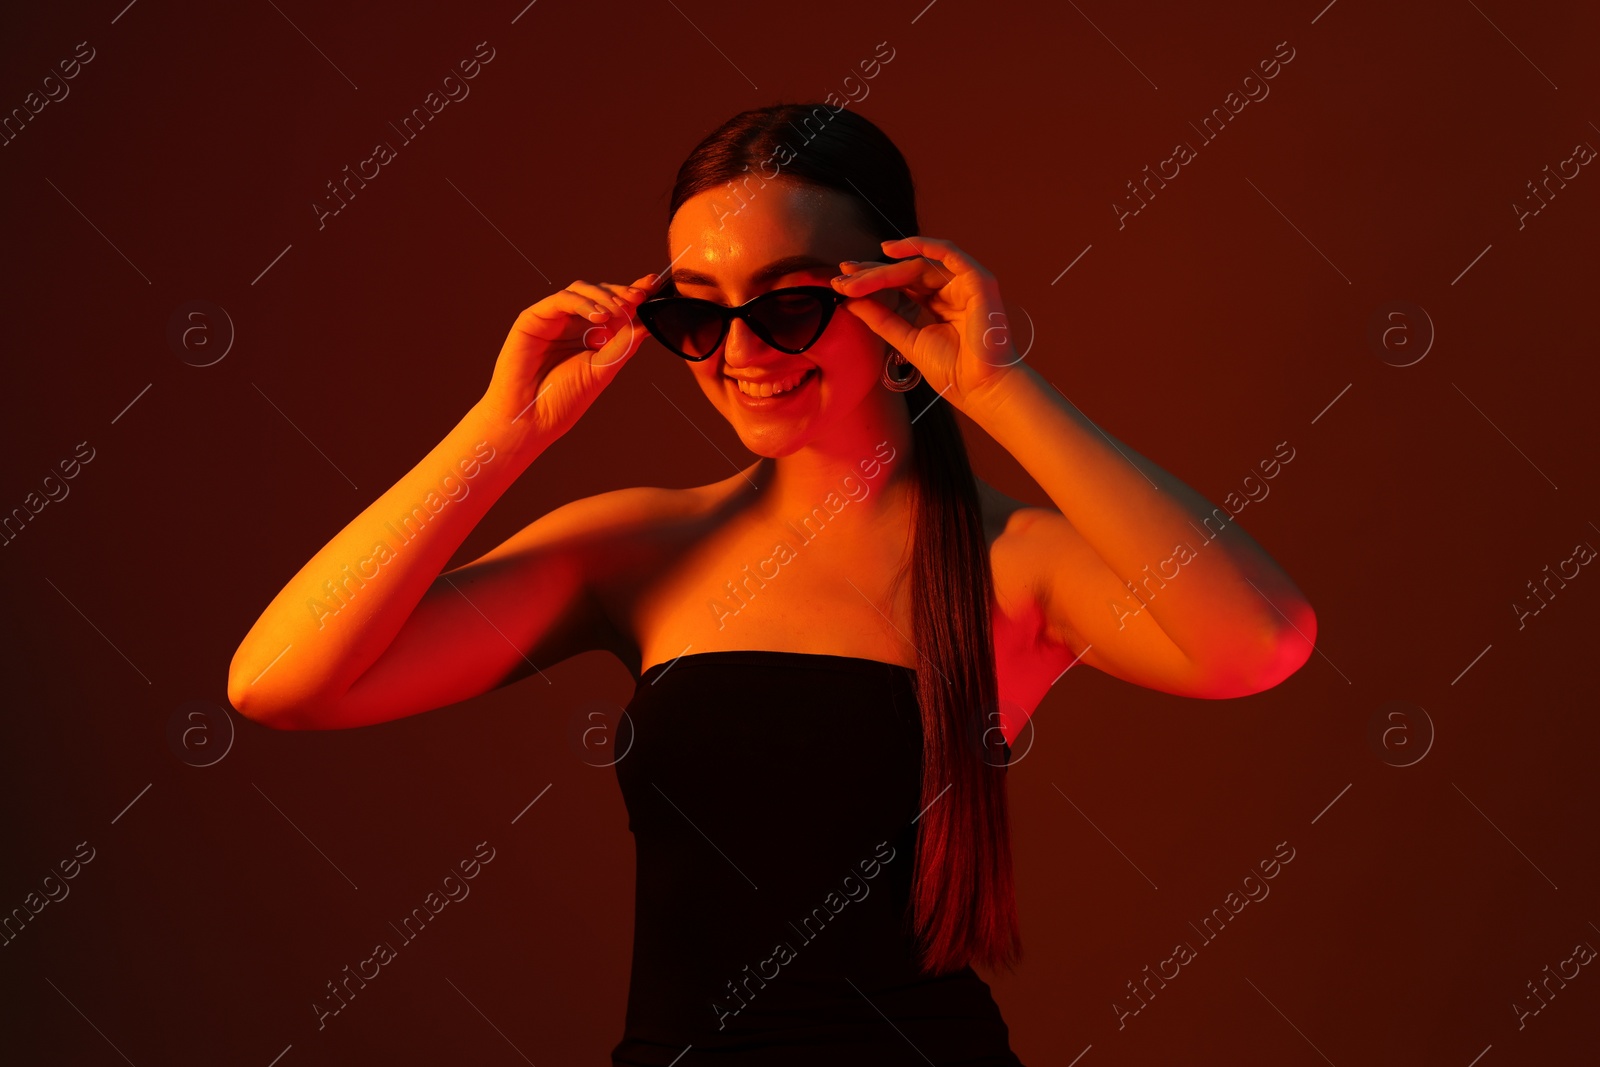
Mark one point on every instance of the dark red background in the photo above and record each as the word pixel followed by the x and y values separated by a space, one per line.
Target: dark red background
pixel 1203 333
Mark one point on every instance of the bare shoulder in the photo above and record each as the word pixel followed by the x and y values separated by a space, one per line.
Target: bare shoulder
pixel 619 543
pixel 601 535
pixel 1014 529
pixel 999 510
pixel 1007 522
pixel 1028 657
pixel 615 515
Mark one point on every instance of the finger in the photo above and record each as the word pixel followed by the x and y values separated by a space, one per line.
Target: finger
pixel 932 273
pixel 633 295
pixel 944 252
pixel 642 289
pixel 602 338
pixel 885 323
pixel 852 267
pixel 599 294
pixel 551 317
pixel 915 273
pixel 622 295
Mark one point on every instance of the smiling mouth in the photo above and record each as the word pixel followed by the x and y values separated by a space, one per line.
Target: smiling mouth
pixel 775 388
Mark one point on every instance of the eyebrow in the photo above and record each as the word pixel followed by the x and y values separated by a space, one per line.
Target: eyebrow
pixel 776 269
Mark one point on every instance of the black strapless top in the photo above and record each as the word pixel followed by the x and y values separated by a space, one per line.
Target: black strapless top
pixel 771 796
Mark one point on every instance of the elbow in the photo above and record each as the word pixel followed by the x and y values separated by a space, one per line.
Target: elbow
pixel 1291 646
pixel 253 709
pixel 1279 655
pixel 258 707
pixel 269 705
pixel 249 703
pixel 1296 643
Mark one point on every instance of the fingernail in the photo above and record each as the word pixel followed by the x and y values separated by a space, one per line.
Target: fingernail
pixel 848 262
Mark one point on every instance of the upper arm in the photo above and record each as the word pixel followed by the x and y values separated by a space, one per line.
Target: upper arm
pixel 521 607
pixel 1085 610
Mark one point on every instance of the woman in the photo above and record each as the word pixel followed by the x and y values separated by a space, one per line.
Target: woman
pixel 817 771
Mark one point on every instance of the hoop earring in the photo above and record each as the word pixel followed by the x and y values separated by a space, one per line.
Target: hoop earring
pixel 894 361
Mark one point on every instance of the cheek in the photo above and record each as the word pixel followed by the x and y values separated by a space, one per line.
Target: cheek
pixel 708 376
pixel 851 351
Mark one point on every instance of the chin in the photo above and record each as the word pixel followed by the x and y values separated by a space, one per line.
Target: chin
pixel 774 445
pixel 772 437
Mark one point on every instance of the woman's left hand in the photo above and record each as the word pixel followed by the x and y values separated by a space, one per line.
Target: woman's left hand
pixel 966 348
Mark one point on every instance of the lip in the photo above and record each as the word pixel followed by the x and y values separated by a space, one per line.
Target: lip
pixel 764 402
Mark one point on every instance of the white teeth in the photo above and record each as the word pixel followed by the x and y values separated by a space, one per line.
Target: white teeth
pixel 768 388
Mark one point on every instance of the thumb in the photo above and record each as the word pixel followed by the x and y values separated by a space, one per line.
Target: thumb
pixel 885 323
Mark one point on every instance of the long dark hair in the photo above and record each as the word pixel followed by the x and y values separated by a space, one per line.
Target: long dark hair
pixel 963 901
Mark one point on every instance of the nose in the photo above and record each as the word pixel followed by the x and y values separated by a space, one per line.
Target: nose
pixel 742 347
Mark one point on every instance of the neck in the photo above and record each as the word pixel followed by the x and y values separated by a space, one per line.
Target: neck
pixel 865 461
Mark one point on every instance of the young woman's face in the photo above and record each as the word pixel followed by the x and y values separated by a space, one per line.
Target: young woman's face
pixel 786 233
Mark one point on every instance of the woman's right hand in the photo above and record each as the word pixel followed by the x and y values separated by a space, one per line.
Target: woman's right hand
pixel 562 351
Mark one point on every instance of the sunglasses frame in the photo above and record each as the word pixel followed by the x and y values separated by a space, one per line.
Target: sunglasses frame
pixel 830 300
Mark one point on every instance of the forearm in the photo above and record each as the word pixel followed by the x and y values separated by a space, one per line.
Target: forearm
pixel 341 610
pixel 1221 589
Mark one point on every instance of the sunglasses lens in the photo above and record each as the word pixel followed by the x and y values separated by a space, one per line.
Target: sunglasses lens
pixel 792 320
pixel 789 320
pixel 693 331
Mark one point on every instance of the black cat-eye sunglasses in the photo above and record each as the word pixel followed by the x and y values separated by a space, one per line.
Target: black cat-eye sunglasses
pixel 790 320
